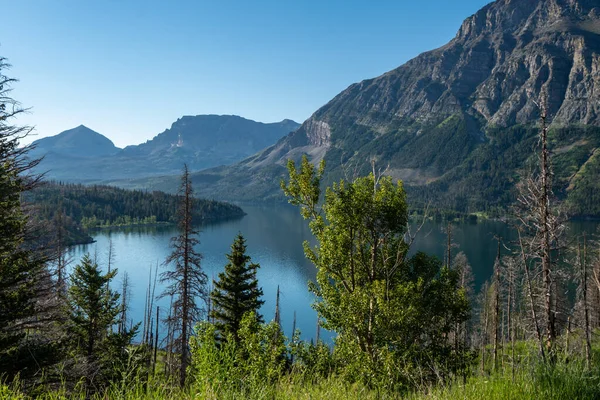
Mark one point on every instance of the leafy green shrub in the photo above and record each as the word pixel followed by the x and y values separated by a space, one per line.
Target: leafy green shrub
pixel 258 358
pixel 312 361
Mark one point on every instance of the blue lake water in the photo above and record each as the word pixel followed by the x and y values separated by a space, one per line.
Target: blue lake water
pixel 274 237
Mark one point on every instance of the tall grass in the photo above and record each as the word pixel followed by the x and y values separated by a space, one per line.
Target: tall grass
pixel 563 381
pixel 531 379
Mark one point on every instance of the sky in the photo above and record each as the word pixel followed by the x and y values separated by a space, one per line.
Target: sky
pixel 129 68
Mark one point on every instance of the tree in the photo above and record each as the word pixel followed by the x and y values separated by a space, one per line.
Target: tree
pixel 542 230
pixel 95 309
pixel 236 292
pixel 187 281
pixel 390 311
pixel 23 276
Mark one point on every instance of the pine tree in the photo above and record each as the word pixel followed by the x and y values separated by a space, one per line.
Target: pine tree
pixel 95 309
pixel 236 292
pixel 23 348
pixel 187 281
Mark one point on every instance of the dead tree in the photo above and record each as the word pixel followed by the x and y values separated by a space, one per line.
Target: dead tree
pixel 540 223
pixel 511 265
pixel 583 287
pixel 496 305
pixel 530 295
pixel 186 282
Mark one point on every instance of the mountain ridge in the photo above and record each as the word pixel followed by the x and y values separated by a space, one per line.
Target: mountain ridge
pixel 201 141
pixel 447 121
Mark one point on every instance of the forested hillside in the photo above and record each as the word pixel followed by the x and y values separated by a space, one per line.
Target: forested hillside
pixel 81 207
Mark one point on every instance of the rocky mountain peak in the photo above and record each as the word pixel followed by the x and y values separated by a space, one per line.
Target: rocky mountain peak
pixel 518 17
pixel 503 58
pixel 457 124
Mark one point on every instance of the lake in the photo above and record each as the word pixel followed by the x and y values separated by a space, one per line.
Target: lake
pixel 274 237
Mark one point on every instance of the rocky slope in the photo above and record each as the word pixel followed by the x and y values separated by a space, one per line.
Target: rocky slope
pixel 456 123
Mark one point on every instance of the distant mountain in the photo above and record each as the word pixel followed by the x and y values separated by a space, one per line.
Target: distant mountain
pixel 203 141
pixel 76 142
pixel 457 124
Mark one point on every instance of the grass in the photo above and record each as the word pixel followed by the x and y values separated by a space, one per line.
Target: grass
pixel 564 381
pixel 561 382
pixel 531 379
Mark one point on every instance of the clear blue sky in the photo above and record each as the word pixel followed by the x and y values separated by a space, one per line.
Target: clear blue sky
pixel 128 69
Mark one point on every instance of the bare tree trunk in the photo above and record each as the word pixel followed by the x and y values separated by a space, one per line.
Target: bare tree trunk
pixel 187 282
pixel 151 294
pixel 293 332
pixel 277 311
pixel 156 340
pixel 509 308
pixel 485 332
pixel 61 256
pixel 496 306
pixel 184 313
pixel 544 206
pixel 146 327
pixel 531 302
pixel 584 286
pixel 169 346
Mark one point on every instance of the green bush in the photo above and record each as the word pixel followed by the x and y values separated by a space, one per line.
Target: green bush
pixel 258 358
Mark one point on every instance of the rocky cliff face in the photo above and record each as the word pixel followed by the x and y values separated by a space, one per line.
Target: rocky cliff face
pixel 495 69
pixel 445 121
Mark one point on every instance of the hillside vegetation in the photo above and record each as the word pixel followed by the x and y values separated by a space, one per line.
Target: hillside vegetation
pixel 81 208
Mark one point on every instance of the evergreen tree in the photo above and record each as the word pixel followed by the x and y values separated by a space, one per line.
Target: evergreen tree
pixel 236 292
pixel 187 281
pixel 23 347
pixel 95 308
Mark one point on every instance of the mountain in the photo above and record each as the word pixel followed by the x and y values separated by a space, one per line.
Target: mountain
pixel 202 141
pixel 76 142
pixel 205 141
pixel 458 124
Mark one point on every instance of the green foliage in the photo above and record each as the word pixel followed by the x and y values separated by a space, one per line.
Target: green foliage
pixel 312 361
pixel 392 313
pixel 236 293
pixel 303 189
pixel 459 164
pixel 534 381
pixel 95 309
pixel 583 198
pixel 257 358
pixel 97 206
pixel 23 275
